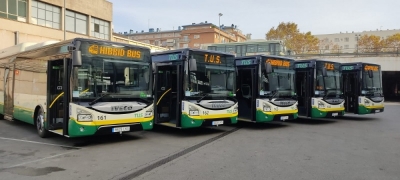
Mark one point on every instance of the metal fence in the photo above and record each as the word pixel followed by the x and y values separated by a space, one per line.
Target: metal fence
pixel 350 52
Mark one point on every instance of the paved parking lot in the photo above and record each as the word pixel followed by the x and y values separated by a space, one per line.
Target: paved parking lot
pixel 354 147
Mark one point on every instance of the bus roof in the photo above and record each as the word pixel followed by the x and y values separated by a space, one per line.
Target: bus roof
pixel 361 63
pixel 315 60
pixel 48 49
pixel 190 49
pixel 264 56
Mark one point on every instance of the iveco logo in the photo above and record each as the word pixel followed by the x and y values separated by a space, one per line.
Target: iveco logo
pixel 121 108
pixel 216 105
pixel 285 103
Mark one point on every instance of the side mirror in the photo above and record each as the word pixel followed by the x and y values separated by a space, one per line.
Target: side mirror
pixel 324 72
pixel 146 75
pixel 370 74
pixel 127 76
pixel 268 68
pixel 153 67
pixel 76 58
pixel 192 65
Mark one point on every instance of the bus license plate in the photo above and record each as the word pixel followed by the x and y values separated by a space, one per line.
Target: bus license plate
pixel 377 111
pixel 335 114
pixel 284 117
pixel 217 122
pixel 121 129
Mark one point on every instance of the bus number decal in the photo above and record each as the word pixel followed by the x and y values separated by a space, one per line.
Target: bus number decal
pixel 205 112
pixel 101 118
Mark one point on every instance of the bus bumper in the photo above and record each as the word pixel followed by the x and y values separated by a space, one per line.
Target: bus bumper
pixel 316 113
pixel 267 117
pixel 188 122
pixel 80 130
pixel 369 110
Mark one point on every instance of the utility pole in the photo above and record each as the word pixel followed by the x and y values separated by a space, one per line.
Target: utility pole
pixel 219 27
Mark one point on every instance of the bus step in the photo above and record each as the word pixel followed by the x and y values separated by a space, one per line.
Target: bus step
pixel 57 131
pixel 8 117
pixel 245 119
pixel 168 124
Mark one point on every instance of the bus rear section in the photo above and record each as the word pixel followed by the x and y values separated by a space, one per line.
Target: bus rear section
pixel 362 95
pixel 318 89
pixel 266 88
pixel 99 87
pixel 194 88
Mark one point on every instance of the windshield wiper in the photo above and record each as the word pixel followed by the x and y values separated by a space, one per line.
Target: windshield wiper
pixel 97 99
pixel 276 92
pixel 205 94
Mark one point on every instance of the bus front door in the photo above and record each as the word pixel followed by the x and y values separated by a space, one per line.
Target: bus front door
pixel 168 95
pixel 304 89
pixel 55 106
pixel 351 91
pixel 247 93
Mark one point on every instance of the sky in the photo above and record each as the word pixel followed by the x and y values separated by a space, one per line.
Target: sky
pixel 258 16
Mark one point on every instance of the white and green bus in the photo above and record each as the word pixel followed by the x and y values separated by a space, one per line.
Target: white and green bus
pixel 78 87
pixel 194 88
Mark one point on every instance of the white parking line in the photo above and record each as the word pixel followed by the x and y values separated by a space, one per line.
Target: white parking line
pixel 36 142
pixel 49 157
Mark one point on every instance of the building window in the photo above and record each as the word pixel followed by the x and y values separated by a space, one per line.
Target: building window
pixel 327 47
pixel 185 45
pixel 196 36
pixel 100 28
pixel 76 22
pixel 196 45
pixel 346 39
pixel 45 14
pixel 13 9
pixel 346 46
pixel 336 39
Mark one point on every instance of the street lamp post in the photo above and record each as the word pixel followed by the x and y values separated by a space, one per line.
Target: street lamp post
pixel 64 18
pixel 219 26
pixel 357 38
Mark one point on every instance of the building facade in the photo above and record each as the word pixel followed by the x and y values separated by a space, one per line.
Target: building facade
pixel 39 21
pixel 192 36
pixel 346 42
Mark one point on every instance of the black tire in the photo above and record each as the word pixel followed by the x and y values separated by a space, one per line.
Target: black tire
pixel 39 122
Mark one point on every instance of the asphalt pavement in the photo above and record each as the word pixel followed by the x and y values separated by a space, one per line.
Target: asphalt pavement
pixel 352 147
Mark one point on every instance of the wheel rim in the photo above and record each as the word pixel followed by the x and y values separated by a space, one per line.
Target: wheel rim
pixel 40 121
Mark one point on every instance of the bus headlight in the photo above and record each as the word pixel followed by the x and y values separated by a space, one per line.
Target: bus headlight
pixel 321 105
pixel 148 113
pixel 266 108
pixel 235 109
pixel 366 102
pixel 84 116
pixel 193 111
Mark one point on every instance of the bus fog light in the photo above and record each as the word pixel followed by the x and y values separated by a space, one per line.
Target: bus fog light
pixel 82 129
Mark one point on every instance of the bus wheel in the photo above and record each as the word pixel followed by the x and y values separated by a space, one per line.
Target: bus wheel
pixel 40 124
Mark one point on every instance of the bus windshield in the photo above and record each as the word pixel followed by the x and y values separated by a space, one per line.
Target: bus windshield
pixel 280 83
pixel 121 78
pixel 372 84
pixel 328 86
pixel 211 80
